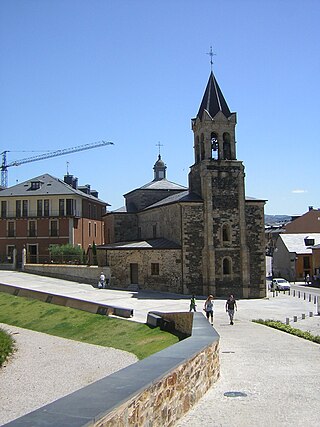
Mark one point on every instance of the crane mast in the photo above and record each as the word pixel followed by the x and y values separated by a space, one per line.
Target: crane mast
pixel 5 165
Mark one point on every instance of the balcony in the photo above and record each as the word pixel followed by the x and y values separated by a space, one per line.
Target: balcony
pixel 75 213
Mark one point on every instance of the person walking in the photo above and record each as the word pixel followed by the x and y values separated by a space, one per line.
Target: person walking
pixel 193 304
pixel 208 308
pixel 231 305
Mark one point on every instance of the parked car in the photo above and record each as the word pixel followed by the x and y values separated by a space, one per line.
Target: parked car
pixel 280 284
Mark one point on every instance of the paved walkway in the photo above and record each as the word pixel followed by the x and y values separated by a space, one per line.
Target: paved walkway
pixel 278 374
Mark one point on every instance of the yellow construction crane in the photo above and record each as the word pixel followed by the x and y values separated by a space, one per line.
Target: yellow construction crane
pixel 5 165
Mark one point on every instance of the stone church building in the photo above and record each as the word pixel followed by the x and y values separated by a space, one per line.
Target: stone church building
pixel 204 239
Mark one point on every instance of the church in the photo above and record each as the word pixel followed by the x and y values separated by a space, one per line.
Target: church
pixel 207 238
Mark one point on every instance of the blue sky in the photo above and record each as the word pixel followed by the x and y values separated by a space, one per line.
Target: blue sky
pixel 133 72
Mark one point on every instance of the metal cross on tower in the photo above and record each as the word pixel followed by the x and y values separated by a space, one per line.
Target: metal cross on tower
pixel 211 54
pixel 159 145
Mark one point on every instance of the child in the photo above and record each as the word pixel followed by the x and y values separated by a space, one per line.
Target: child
pixel 193 304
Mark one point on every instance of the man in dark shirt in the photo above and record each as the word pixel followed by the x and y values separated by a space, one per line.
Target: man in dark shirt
pixel 231 305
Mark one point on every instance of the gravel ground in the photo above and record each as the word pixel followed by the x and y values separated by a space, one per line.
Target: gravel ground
pixel 45 368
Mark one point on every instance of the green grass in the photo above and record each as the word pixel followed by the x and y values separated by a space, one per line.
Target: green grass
pixel 136 338
pixel 6 346
pixel 276 324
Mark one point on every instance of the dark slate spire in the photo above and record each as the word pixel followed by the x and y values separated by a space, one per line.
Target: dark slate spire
pixel 213 101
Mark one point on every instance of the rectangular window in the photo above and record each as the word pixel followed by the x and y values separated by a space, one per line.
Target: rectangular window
pixel 24 208
pixel 155 269
pixel 18 208
pixel 32 229
pixel 11 229
pixel 69 206
pixel 89 229
pixel 46 207
pixel 61 207
pixel 54 228
pixel 95 229
pixel 10 250
pixel 306 262
pixel 3 209
pixel 39 208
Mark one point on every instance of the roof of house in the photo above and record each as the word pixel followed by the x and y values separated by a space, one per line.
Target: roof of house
pixel 296 242
pixel 142 244
pixel 49 185
pixel 162 184
pixel 184 196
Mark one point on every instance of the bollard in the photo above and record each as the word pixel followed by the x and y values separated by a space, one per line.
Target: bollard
pixel 295 318
pixel 303 316
pixel 304 295
pixel 309 297
pixel 294 293
pixel 310 314
pixel 315 300
pixel 298 294
pixel 318 306
pixel 287 320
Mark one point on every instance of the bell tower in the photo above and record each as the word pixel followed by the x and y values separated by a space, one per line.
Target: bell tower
pixel 218 178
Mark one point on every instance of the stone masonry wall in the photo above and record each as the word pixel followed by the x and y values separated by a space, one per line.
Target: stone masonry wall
pixel 167 400
pixel 168 280
pixel 257 248
pixel 193 243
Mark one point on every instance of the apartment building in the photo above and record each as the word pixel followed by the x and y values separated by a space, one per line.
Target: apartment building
pixel 46 210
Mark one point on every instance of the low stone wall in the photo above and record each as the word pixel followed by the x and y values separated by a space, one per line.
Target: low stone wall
pixel 156 391
pixel 90 306
pixel 76 273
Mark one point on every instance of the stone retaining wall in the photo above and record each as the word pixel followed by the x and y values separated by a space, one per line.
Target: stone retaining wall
pixel 76 273
pixel 156 391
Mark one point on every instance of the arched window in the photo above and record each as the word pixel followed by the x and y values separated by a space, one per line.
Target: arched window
pixel 226 146
pixel 214 146
pixel 226 233
pixel 226 266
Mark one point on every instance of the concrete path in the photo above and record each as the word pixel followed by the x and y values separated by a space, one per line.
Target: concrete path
pixel 278 374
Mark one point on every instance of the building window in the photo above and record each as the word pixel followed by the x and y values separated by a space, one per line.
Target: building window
pixel 10 250
pixel 18 208
pixel 95 229
pixel 24 208
pixel 306 262
pixel 226 266
pixel 54 228
pixel 155 269
pixel 69 206
pixel 61 207
pixel 35 185
pixel 11 229
pixel 309 242
pixel 32 231
pixel 214 146
pixel 46 207
pixel 3 209
pixel 89 229
pixel 39 208
pixel 226 233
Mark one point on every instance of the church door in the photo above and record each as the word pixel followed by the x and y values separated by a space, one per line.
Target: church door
pixel 134 273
